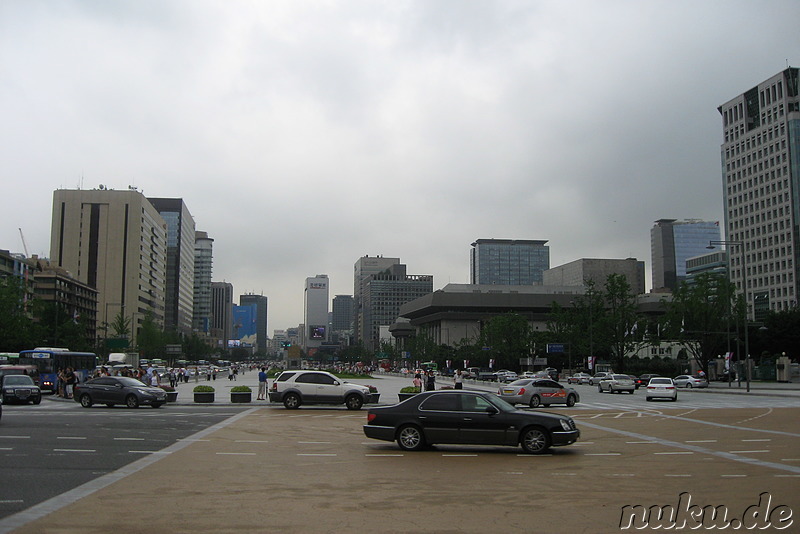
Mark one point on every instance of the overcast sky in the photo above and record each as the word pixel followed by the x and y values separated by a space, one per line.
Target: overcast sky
pixel 304 135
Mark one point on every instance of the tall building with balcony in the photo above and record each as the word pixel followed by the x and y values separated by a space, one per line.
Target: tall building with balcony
pixel 760 156
pixel 672 242
pixel 203 263
pixel 115 242
pixel 179 293
pixel 508 262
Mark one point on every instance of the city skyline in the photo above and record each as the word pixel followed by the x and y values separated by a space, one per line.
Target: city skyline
pixel 303 137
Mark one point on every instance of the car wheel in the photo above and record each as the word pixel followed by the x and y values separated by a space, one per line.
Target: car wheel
pixel 37 400
pixel 291 401
pixel 688 385
pixel 535 440
pixel 410 438
pixel 648 399
pixel 535 401
pixel 86 400
pixel 156 405
pixel 354 402
pixel 599 388
pixel 674 398
pixel 630 391
pixel 131 401
pixel 571 400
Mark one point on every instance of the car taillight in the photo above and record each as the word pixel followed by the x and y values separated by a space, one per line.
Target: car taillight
pixel 274 386
pixel 371 417
pixel 670 387
pixel 651 387
pixel 521 391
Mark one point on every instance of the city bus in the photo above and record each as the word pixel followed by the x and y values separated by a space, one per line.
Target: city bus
pixel 48 361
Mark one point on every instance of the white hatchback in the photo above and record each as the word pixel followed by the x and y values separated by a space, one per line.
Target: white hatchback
pixel 661 388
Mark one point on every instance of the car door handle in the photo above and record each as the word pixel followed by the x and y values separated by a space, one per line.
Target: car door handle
pixel 468 419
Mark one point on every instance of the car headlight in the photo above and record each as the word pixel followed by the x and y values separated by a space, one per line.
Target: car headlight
pixel 565 425
pixel 143 391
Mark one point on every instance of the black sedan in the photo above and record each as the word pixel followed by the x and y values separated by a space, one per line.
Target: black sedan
pixel 467 417
pixel 20 388
pixel 111 390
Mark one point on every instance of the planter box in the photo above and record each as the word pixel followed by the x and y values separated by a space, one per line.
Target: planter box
pixel 241 396
pixel 172 396
pixel 204 397
pixel 405 396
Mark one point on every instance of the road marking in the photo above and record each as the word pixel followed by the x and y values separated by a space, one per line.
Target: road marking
pixel 15 437
pixel 747 452
pixel 384 455
pixel 513 473
pixel 565 474
pixel 250 441
pixel 128 439
pixel 69 437
pixel 674 452
pixel 148 452
pixel 458 455
pixel 756 440
pixel 74 450
pixel 787 476
pixel 701 441
pixel 309 454
pixel 603 453
pixel 189 440
pixel 790 459
pixel 623 475
pixel 700 450
pixel 236 453
pixel 685 476
pixel 733 476
pixel 533 455
pixel 13 501
pixel 642 442
pixel 314 442
pixel 6 448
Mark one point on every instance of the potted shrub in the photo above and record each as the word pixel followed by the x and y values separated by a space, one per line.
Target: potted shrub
pixel 374 396
pixel 203 394
pixel 172 395
pixel 408 392
pixel 241 394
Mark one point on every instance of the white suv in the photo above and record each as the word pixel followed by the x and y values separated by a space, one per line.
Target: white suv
pixel 295 388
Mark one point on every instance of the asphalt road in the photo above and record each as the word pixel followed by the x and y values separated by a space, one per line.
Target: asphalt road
pixel 312 470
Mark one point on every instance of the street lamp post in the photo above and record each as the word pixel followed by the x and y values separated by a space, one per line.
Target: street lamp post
pixel 740 244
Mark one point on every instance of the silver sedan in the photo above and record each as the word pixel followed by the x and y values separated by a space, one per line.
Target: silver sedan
pixel 615 383
pixel 537 391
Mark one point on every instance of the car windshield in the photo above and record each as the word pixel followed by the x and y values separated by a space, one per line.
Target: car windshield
pixel 17 380
pixel 128 381
pixel 520 382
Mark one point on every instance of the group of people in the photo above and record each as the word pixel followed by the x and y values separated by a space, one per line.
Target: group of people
pixel 67 378
pixel 428 379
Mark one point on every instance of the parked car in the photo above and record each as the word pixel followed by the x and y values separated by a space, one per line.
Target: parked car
pixel 579 378
pixel 505 376
pixel 297 387
pixel 661 387
pixel 688 381
pixel 616 383
pixel 537 391
pixel 644 379
pixel 20 388
pixel 595 380
pixel 112 390
pixel 467 417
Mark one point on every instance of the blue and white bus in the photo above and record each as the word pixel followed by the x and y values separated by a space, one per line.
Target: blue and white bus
pixel 50 360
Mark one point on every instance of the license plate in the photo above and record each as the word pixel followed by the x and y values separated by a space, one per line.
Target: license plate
pixel 508 392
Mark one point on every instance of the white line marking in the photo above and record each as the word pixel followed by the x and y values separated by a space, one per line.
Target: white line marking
pixel 533 455
pixel 309 454
pixel 733 476
pixel 457 455
pixel 787 476
pixel 636 442
pixel 74 450
pixel 384 455
pixel 756 440
pixel 148 452
pixel 6 448
pixel 677 475
pixel 15 437
pixel 682 452
pixel 236 453
pixel 12 501
pixel 565 474
pixel 603 453
pixel 747 452
pixel 314 442
pixel 69 437
pixel 128 439
pixel 701 441
pixel 623 475
pixel 250 441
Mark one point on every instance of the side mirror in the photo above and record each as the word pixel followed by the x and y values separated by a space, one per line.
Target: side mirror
pixel 491 410
pixel 336 383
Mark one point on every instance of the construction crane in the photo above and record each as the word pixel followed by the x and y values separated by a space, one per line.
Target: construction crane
pixel 24 246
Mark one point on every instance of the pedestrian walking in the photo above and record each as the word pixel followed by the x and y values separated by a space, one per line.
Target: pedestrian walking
pixel 430 382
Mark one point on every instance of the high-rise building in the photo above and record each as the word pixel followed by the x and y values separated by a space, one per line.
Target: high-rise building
pixel 383 295
pixel 115 242
pixel 760 157
pixel 179 294
pixel 260 303
pixel 315 311
pixel 222 312
pixel 508 262
pixel 342 319
pixel 363 268
pixel 203 262
pixel 672 242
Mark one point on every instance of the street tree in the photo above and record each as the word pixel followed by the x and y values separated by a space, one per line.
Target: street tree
pixel 507 338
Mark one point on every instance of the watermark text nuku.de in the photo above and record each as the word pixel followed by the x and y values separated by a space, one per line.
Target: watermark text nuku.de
pixel 686 515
